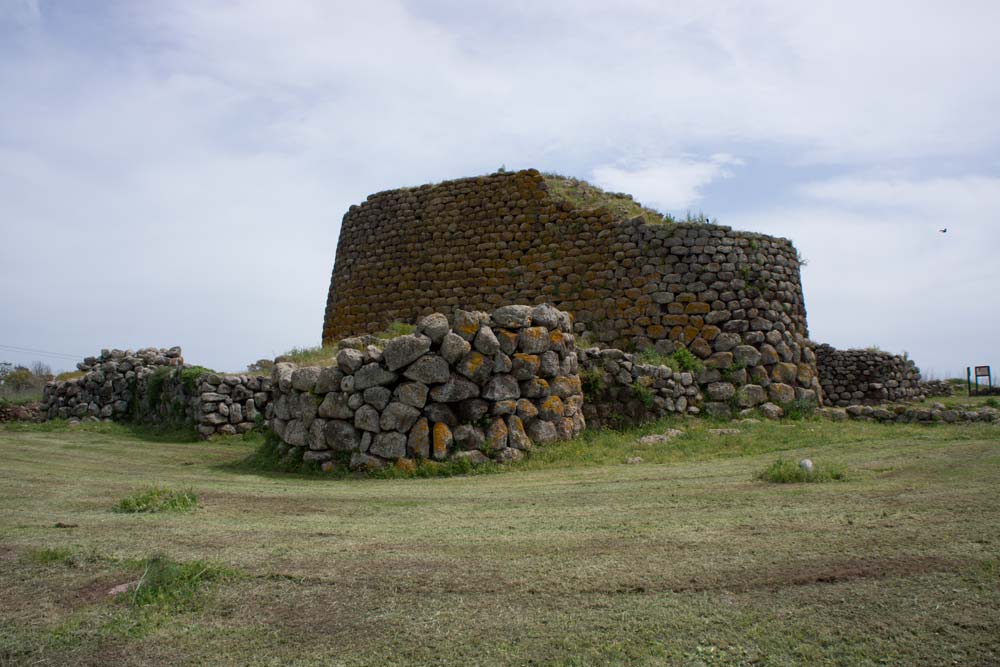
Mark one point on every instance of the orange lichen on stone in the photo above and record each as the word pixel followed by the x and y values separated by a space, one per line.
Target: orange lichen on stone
pixel 697 308
pixel 442 440
pixel 551 407
pixel 408 466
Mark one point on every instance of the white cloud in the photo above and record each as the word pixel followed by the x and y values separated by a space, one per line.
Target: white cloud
pixel 668 184
pixel 881 273
pixel 196 158
pixel 957 199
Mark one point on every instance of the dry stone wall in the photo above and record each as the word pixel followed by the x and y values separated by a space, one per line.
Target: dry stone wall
pixel 620 390
pixel 504 238
pixel 931 388
pixel 108 388
pixel 866 377
pixel 476 386
pixel 154 386
pixel 908 414
pixel 230 404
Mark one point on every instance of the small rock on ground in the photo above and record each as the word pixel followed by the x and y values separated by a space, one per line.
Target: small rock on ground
pixel 660 438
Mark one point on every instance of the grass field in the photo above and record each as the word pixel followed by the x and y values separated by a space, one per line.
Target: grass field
pixel 573 558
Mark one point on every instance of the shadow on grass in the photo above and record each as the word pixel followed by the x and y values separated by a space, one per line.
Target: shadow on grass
pixel 144 432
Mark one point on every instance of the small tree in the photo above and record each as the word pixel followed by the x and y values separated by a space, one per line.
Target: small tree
pixel 41 370
pixel 19 379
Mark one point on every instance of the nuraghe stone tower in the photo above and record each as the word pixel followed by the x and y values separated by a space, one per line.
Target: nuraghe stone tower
pixel 629 281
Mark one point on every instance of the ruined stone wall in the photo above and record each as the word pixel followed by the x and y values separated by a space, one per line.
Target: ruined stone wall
pixel 230 404
pixel 620 390
pixel 930 388
pixel 155 387
pixel 108 388
pixel 480 386
pixel 866 377
pixel 500 239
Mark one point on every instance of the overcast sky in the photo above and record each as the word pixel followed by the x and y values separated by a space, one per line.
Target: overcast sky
pixel 175 172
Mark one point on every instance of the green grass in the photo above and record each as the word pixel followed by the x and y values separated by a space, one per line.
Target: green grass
pixel 395 330
pixel 157 499
pixel 798 409
pixel 583 195
pixel 49 555
pixel 326 355
pixel 653 358
pixel 643 393
pixel 961 401
pixel 20 396
pixel 684 360
pixel 784 471
pixel 312 356
pixel 166 582
pixel 571 558
pixel 592 381
pixel 190 376
pixel 154 386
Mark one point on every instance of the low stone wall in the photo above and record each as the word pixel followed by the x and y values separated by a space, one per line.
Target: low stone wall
pixel 230 404
pixel 910 414
pixel 932 388
pixel 866 377
pixel 620 390
pixel 155 387
pixel 475 386
pixel 107 389
pixel 30 412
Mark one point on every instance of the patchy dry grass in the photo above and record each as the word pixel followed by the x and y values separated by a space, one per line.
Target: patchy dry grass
pixel 326 355
pixel 570 559
pixel 584 195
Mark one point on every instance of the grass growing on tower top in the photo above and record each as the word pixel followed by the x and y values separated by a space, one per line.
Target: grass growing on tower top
pixel 583 195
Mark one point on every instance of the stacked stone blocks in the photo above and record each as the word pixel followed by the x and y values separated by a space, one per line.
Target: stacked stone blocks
pixel 230 404
pixel 154 386
pixel 866 377
pixel 108 388
pixel 476 386
pixel 499 239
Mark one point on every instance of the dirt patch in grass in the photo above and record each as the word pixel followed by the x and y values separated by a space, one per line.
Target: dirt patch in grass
pixel 823 572
pixel 94 592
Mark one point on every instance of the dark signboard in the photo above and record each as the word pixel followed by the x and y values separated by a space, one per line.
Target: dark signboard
pixel 982 371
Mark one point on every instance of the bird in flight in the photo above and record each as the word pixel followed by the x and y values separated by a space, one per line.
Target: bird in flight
pixel 943 231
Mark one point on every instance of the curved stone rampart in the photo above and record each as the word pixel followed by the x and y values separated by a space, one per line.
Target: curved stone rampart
pixel 476 386
pixel 505 238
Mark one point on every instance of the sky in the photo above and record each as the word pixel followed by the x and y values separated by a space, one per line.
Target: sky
pixel 175 173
